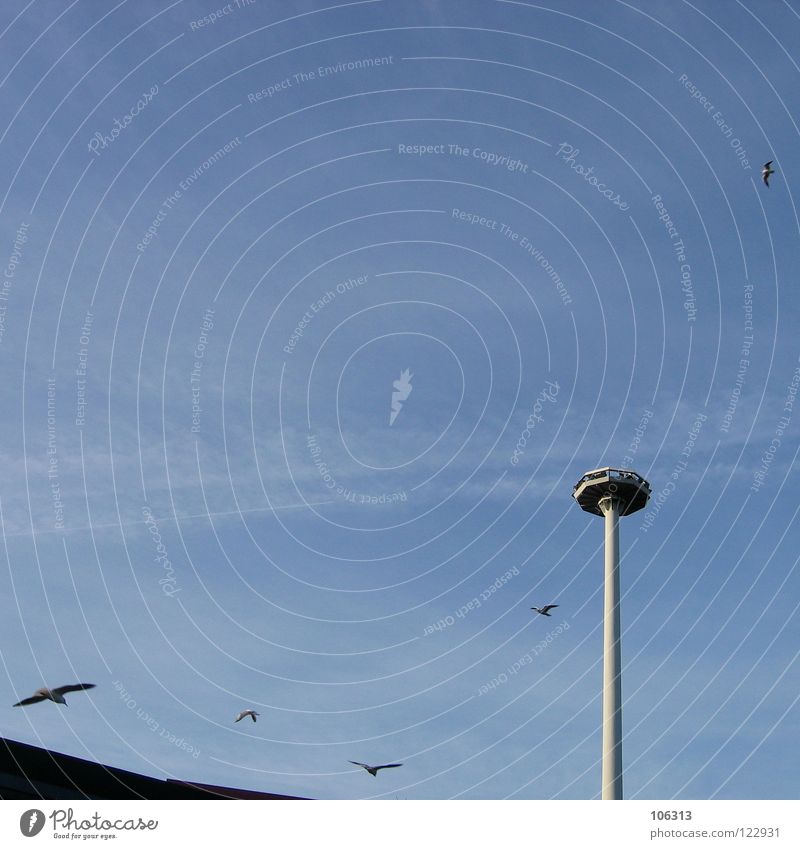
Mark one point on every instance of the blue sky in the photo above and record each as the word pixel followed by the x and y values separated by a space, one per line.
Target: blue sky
pixel 228 231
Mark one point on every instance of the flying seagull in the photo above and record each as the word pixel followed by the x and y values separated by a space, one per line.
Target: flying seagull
pixel 55 695
pixel 373 770
pixel 767 172
pixel 543 610
pixel 251 713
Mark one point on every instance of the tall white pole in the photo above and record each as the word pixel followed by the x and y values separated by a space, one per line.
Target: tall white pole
pixel 611 493
pixel 612 663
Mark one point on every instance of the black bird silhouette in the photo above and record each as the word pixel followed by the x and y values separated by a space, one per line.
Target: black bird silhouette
pixel 55 695
pixel 373 770
pixel 543 610
pixel 767 172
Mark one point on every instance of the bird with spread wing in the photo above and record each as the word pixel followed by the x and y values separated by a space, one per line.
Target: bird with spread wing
pixel 544 610
pixel 373 770
pixel 251 713
pixel 55 695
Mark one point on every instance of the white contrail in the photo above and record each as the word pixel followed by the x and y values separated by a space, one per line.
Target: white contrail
pixel 171 518
pixel 403 389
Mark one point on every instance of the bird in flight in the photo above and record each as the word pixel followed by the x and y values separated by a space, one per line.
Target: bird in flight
pixel 251 713
pixel 55 695
pixel 544 610
pixel 767 172
pixel 373 770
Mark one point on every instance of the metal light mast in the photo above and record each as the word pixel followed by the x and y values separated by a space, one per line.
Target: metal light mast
pixel 612 493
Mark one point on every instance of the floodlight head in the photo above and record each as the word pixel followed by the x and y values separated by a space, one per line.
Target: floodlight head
pixel 629 490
